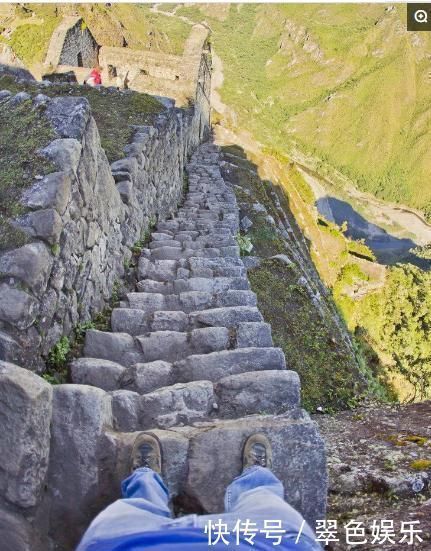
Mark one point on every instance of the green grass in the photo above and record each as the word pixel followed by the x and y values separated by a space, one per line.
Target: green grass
pixel 375 128
pixel 30 41
pixel 23 131
pixel 321 360
pixel 113 111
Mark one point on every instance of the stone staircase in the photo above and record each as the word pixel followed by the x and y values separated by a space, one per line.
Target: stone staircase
pixel 191 358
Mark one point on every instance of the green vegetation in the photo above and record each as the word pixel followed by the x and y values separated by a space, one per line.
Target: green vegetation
pixel 58 354
pixel 421 464
pixel 245 244
pixel 317 354
pixel 397 320
pixel 30 41
pixel 338 82
pixel 23 131
pixel 113 111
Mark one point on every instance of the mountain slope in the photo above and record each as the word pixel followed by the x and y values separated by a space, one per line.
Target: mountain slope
pixel 346 83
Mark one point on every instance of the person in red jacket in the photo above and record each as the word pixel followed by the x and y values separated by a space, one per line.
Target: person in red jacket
pixel 95 77
pixel 142 520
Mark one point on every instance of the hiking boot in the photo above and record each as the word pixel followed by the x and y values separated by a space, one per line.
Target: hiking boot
pixel 257 451
pixel 146 452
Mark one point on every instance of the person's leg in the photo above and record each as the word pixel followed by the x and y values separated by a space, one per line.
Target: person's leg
pixel 145 502
pixel 257 494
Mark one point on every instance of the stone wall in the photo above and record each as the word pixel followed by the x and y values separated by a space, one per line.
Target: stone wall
pixel 72 44
pixel 83 219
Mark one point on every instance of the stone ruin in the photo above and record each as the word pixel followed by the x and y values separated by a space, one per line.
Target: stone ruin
pixel 72 44
pixel 74 49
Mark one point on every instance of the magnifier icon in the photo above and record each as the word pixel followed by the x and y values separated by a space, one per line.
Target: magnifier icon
pixel 421 16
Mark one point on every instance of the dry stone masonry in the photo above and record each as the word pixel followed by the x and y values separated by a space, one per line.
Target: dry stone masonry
pixel 190 358
pixel 72 44
pixel 83 219
pixel 189 355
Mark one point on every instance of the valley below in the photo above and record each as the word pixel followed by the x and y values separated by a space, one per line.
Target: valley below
pixel 389 230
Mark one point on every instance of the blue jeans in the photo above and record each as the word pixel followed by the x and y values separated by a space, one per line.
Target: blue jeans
pixel 255 495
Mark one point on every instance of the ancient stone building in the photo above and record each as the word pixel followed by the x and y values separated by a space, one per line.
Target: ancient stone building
pixel 72 44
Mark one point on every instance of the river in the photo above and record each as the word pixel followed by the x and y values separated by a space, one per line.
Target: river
pixel 389 230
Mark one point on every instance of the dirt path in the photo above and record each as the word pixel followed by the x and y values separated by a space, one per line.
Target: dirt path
pixel 155 9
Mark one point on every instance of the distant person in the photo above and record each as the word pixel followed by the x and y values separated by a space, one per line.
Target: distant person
pixel 95 77
pixel 143 520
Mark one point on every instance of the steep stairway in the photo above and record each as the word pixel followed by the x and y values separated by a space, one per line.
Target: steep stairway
pixel 191 358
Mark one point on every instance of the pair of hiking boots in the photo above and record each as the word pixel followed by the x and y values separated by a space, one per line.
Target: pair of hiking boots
pixel 147 452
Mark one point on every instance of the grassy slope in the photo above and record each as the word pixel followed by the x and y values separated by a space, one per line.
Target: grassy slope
pixel 345 82
pixel 131 108
pixel 23 131
pixel 319 354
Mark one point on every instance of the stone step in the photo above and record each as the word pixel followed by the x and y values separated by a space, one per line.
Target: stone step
pixel 101 373
pixel 225 317
pixel 151 286
pixel 169 270
pixel 165 243
pixel 210 285
pixel 174 405
pixel 136 321
pixel 269 392
pixel 200 461
pixel 117 347
pixel 197 225
pixel 265 392
pixel 177 253
pixel 190 301
pixel 174 345
pixel 216 365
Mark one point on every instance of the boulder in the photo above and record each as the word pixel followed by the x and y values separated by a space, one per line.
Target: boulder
pixel 146 377
pixel 45 223
pixel 25 406
pixel 118 347
pixel 177 404
pixel 53 191
pixel 16 533
pixel 81 414
pixel 17 308
pixel 125 410
pixel 65 153
pixel 216 365
pixel 69 116
pixel 103 374
pixel 31 264
pixel 266 392
pixel 215 459
pixel 253 334
pixel 10 350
